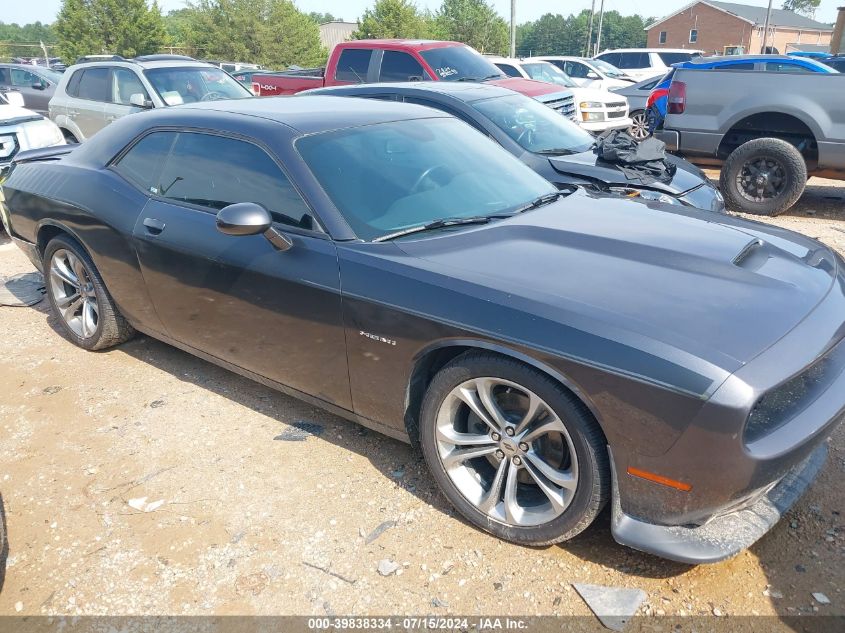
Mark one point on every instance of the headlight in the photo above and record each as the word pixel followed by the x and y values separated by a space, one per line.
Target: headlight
pixel 42 133
pixel 646 194
pixel 591 105
pixel 7 145
pixel 592 116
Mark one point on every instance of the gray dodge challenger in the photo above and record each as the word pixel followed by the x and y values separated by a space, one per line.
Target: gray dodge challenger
pixel 550 351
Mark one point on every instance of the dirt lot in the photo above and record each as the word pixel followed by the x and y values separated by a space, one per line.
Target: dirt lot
pixel 253 524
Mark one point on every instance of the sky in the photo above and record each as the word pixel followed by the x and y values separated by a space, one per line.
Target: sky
pixel 46 10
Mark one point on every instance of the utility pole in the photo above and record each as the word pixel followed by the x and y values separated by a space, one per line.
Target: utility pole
pixel 513 28
pixel 590 31
pixel 766 29
pixel 601 22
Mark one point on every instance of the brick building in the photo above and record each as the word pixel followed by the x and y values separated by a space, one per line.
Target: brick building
pixel 728 28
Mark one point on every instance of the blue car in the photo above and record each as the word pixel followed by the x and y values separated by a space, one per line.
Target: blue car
pixel 657 100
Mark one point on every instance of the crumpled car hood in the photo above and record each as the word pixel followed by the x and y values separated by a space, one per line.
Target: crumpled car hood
pixel 723 291
pixel 589 165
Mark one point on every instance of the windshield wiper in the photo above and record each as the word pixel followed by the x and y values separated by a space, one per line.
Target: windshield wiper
pixel 468 79
pixel 541 201
pixel 557 151
pixel 498 76
pixel 439 224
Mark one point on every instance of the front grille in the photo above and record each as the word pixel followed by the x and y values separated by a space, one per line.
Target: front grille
pixel 616 115
pixel 9 146
pixel 618 104
pixel 782 404
pixel 564 105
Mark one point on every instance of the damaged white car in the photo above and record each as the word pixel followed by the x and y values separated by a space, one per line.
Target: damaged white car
pixel 22 129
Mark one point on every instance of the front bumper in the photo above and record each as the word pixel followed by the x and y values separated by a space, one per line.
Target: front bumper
pixel 725 535
pixel 598 127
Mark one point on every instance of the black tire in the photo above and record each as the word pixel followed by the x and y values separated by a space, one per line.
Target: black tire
pixel 111 327
pixel 590 446
pixel 790 163
pixel 70 139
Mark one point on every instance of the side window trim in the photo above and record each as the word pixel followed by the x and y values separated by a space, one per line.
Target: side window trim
pixel 319 229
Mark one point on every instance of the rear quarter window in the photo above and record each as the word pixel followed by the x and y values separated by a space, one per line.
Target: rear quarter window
pixel 94 85
pixel 353 65
pixel 72 88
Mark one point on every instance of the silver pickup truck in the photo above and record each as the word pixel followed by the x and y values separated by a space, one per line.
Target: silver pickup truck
pixel 768 130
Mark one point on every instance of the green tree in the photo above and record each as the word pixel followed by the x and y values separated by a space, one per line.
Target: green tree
pixel 269 32
pixel 23 41
pixel 322 18
pixel 394 18
pixel 473 22
pixel 177 23
pixel 559 35
pixel 807 7
pixel 123 27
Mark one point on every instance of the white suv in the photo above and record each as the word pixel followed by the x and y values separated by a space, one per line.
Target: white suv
pixel 93 94
pixel 644 63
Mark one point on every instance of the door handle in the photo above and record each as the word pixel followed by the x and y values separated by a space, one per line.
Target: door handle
pixel 153 226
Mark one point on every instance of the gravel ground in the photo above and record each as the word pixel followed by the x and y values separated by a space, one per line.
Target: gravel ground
pixel 145 481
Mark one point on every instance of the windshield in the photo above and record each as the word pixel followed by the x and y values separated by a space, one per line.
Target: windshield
pixel 416 172
pixel 178 85
pixel 460 63
pixel 534 126
pixel 608 69
pixel 544 71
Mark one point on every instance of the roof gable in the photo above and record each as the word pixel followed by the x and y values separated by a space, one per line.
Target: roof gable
pixel 754 15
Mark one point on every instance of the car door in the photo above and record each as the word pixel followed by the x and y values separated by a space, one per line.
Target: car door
pixel 24 82
pixel 86 108
pixel 240 299
pixel 124 84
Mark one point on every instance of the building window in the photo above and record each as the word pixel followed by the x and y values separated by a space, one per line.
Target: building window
pixel 662 38
pixel 693 36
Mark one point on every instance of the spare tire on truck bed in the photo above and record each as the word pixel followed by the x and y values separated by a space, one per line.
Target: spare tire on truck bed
pixel 765 176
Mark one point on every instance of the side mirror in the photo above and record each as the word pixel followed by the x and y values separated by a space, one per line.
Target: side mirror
pixel 243 218
pixel 39 85
pixel 139 101
pixel 592 75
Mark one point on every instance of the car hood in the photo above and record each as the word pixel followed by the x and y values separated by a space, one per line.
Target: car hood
pixel 588 165
pixel 528 87
pixel 676 283
pixel 12 114
pixel 593 94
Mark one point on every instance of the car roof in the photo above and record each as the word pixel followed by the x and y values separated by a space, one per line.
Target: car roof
pixel 691 51
pixel 146 65
pixel 315 113
pixel 415 45
pixel 467 92
pixel 728 59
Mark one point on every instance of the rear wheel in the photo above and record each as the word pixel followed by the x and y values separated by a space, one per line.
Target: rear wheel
pixel 79 297
pixel 517 455
pixel 765 176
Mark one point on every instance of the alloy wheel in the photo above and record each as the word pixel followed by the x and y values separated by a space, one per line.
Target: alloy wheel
pixel 73 294
pixel 507 451
pixel 639 127
pixel 761 179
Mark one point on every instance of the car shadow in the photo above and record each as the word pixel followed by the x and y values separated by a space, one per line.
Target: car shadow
pixel 4 543
pixel 394 459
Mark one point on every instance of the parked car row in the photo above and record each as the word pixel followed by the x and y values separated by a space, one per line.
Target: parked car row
pixel 551 349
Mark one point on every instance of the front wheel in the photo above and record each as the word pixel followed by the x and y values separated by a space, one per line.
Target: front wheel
pixel 517 455
pixel 765 176
pixel 79 297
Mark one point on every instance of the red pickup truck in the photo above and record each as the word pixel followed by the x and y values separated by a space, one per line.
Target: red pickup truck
pixel 375 61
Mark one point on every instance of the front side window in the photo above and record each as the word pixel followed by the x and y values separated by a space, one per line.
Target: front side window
pixel 608 69
pixel 675 58
pixel 543 71
pixel 416 172
pixel 181 85
pixel 353 65
pixel 460 63
pixel 399 66
pixel 534 126
pixel 126 83
pixel 94 85
pixel 785 67
pixel 576 69
pixel 610 58
pixel 24 78
pixel 634 60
